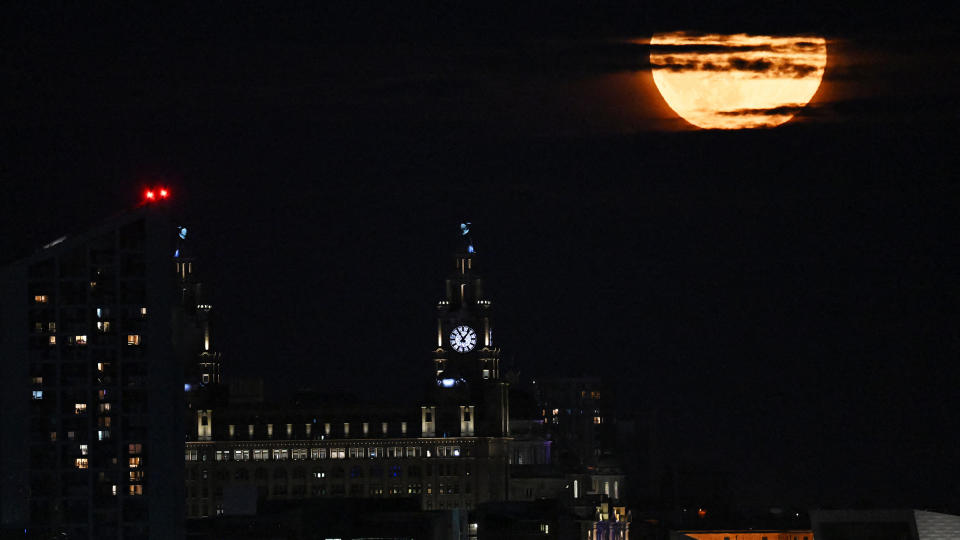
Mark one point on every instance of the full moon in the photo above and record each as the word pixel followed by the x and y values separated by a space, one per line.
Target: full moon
pixel 736 81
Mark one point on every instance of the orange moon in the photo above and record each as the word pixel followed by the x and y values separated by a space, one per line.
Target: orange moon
pixel 736 81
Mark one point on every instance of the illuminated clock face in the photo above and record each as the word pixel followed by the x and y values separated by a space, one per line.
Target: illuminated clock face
pixel 463 339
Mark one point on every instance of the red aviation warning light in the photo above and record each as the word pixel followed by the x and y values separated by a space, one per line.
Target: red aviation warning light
pixel 151 195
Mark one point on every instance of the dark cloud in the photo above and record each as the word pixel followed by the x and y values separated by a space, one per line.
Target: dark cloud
pixel 798 70
pixel 758 65
pixel 775 111
pixel 737 64
pixel 706 48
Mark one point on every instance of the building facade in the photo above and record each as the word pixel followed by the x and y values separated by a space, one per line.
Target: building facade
pixel 450 452
pixel 95 342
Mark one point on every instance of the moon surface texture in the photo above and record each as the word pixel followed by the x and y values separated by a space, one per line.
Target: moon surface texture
pixel 736 81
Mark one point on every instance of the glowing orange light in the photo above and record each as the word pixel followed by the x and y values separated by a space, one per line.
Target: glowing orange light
pixel 150 195
pixel 701 513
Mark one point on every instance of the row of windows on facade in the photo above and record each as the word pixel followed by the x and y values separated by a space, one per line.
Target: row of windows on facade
pixel 320 473
pixel 102 435
pixel 336 488
pixel 554 415
pixel 133 462
pixel 81 339
pixel 102 394
pixel 101 313
pixel 308 428
pixel 372 452
pixel 203 510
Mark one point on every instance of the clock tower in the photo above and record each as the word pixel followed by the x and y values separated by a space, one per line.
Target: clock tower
pixel 467 397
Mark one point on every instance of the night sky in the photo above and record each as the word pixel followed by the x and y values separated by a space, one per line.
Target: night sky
pixel 786 298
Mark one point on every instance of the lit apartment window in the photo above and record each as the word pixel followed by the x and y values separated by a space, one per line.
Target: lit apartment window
pixel 135 489
pixel 114 489
pixel 40 299
pixel 53 436
pixel 289 430
pixel 337 453
pixel 134 448
pixel 83 449
pixel 354 453
pixel 366 428
pixel 133 339
pixel 306 428
pixel 403 428
pixel 38 394
pixel 104 407
pixel 37 380
pixel 231 429
pixel 136 476
pixel 38 327
pixel 545 528
pixel 103 326
pixel 134 461
pixel 383 428
pixel 250 430
pixel 79 408
pixel 261 454
pixel 143 312
pixel 241 455
pixel 326 429
pixel 53 340
pixel 81 463
pixel 81 340
pixel 346 429
pixel 269 430
pixel 71 435
pixel 280 454
pixel 51 327
pixel 596 420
